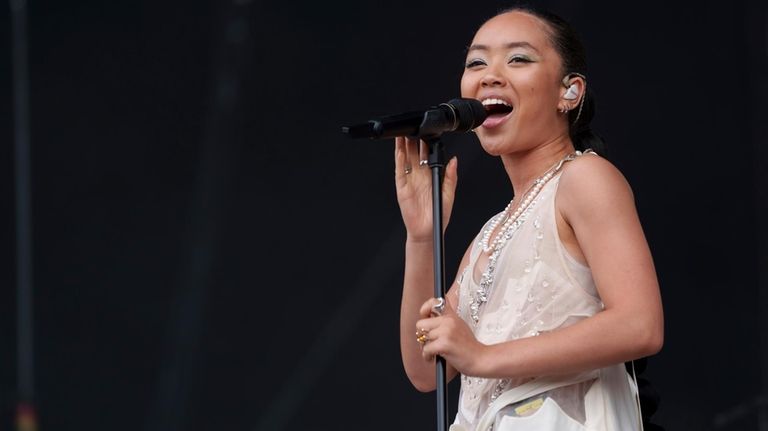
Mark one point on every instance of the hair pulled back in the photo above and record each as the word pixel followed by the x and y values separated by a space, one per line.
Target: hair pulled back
pixel 568 45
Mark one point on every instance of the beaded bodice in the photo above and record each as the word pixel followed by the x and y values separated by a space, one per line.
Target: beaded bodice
pixel 536 287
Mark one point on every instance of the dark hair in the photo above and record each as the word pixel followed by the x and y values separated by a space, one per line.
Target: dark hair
pixel 568 45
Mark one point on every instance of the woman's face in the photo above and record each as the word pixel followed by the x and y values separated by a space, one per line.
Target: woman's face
pixel 512 64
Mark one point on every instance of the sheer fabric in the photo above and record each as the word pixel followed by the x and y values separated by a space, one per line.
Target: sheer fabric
pixel 538 287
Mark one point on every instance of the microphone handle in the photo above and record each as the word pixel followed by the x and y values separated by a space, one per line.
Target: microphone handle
pixel 405 124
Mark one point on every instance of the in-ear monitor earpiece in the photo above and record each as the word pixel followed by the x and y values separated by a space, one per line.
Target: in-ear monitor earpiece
pixel 572 93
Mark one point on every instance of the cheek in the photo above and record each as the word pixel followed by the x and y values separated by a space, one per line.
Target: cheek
pixel 539 96
pixel 466 86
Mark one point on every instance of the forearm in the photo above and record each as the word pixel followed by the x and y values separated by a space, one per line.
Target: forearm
pixel 609 337
pixel 418 286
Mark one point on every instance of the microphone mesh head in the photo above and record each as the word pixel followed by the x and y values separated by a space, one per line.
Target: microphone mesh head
pixel 471 113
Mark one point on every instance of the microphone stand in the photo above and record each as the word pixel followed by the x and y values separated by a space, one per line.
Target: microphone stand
pixel 430 131
pixel 431 128
pixel 437 165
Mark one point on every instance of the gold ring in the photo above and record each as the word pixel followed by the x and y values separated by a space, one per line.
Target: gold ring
pixel 407 170
pixel 421 336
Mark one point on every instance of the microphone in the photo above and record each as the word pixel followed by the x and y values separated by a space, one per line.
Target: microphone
pixel 458 115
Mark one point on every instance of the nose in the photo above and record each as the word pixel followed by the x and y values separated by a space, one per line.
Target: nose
pixel 491 79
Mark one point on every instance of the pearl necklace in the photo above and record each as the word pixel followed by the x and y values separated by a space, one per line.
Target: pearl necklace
pixel 511 224
pixel 538 184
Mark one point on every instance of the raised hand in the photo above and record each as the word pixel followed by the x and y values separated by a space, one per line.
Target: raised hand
pixel 413 181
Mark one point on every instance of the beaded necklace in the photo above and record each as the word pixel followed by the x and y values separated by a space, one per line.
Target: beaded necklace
pixel 510 226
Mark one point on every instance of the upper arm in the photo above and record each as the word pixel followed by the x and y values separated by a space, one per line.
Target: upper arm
pixel 597 204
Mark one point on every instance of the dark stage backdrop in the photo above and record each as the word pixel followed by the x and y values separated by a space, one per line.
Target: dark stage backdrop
pixel 210 252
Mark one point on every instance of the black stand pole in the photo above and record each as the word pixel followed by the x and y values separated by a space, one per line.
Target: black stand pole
pixel 25 382
pixel 437 165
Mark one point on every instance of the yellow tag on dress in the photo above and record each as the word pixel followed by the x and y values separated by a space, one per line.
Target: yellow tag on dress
pixel 529 407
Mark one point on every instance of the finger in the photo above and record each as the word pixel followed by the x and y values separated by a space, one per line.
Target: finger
pixel 427 324
pixel 400 162
pixel 399 147
pixel 413 152
pixel 399 152
pixel 424 336
pixel 423 153
pixel 426 307
pixel 451 177
pixel 438 309
pixel 430 350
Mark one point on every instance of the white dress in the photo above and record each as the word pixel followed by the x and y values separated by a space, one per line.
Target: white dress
pixel 537 286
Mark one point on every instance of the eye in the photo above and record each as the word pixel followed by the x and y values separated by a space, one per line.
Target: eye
pixel 474 63
pixel 519 58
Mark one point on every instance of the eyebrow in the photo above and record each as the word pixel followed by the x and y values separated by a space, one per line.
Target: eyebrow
pixel 507 46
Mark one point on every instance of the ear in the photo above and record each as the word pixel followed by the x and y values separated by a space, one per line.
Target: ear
pixel 571 93
pixel 574 86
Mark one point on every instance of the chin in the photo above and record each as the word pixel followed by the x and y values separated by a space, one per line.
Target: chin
pixel 494 145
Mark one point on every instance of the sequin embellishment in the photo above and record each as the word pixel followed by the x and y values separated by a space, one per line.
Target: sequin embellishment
pixel 481 295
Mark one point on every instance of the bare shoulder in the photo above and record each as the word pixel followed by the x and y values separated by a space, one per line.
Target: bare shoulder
pixel 591 170
pixel 590 184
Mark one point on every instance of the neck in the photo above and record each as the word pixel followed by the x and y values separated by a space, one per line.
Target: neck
pixel 524 167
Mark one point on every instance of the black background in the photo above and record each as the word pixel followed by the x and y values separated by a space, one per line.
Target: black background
pixel 211 253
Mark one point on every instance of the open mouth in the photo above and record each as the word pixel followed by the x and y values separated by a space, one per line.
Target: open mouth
pixel 501 108
pixel 497 111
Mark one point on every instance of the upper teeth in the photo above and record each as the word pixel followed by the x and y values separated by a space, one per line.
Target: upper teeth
pixel 487 102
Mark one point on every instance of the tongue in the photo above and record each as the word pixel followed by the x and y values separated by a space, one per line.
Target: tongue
pixel 494 120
